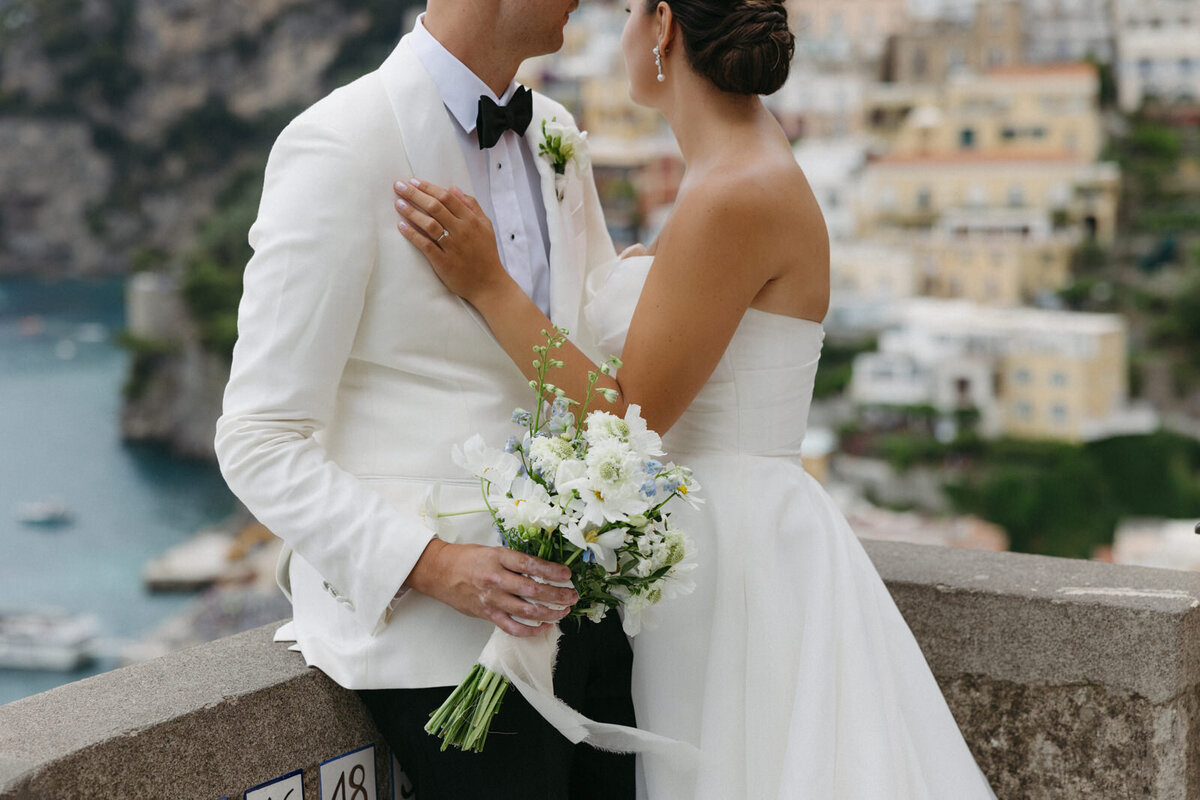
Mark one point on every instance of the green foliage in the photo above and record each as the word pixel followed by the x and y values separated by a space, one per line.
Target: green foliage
pixel 149 259
pixel 362 53
pixel 206 135
pixel 213 276
pixel 148 354
pixel 1089 256
pixel 837 366
pixel 1062 499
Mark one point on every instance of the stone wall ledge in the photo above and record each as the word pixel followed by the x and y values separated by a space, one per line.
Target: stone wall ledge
pixel 1069 678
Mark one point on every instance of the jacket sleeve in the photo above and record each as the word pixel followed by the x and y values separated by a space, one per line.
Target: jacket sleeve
pixel 304 293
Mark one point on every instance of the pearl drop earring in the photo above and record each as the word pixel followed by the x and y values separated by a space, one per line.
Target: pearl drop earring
pixel 658 63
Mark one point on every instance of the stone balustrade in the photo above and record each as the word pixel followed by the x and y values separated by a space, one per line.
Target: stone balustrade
pixel 1070 679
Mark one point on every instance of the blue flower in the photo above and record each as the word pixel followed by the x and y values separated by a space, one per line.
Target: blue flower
pixel 522 417
pixel 512 445
pixel 649 489
pixel 653 466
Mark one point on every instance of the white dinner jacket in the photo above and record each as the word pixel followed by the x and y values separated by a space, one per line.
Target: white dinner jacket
pixel 355 371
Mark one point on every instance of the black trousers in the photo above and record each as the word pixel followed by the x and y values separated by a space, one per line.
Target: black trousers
pixel 524 758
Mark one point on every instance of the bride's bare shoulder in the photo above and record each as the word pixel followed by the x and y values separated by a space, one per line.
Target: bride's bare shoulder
pixel 758 194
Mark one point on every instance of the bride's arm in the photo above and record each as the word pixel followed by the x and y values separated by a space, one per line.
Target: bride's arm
pixel 708 268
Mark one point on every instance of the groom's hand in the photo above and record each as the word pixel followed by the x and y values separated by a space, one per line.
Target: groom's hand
pixel 492 583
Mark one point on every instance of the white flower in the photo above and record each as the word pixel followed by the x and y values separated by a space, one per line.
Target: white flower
pixel 548 452
pixel 642 440
pixel 631 431
pixel 633 607
pixel 596 612
pixel 429 509
pixel 569 142
pixel 495 466
pixel 530 506
pixel 603 546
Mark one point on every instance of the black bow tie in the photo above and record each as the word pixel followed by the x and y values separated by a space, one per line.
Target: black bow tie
pixel 494 120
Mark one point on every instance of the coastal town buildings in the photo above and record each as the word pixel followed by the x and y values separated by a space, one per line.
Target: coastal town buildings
pixel 931 50
pixel 1155 542
pixel 1157 51
pixel 1014 137
pixel 1058 31
pixel 1029 373
pixel 842 33
pixel 996 256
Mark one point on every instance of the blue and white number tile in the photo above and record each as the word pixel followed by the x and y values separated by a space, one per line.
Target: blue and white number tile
pixel 350 776
pixel 401 787
pixel 285 787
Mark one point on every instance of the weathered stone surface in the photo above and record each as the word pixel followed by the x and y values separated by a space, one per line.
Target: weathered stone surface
pixel 208 722
pixel 1017 617
pixel 1069 680
pixel 52 175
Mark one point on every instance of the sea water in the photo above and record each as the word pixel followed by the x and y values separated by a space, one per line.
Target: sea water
pixel 61 378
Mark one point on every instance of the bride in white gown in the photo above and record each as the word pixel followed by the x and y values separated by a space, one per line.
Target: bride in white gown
pixel 789 667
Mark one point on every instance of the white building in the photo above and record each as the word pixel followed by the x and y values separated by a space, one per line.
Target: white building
pixel 819 104
pixel 1163 543
pixel 1030 373
pixel 1158 51
pixel 832 167
pixel 1068 30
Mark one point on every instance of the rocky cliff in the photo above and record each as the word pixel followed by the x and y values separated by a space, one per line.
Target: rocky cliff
pixel 127 131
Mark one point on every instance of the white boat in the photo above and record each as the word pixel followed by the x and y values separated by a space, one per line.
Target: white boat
pixel 46 640
pixel 52 511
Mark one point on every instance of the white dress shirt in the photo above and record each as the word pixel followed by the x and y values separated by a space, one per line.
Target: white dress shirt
pixel 505 176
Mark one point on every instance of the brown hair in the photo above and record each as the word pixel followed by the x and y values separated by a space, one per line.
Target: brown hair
pixel 742 46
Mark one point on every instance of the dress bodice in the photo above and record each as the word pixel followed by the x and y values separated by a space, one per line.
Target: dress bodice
pixel 756 400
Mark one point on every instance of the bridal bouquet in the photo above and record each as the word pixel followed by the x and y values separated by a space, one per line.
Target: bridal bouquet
pixel 582 489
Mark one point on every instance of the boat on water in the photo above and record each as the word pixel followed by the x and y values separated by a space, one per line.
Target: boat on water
pixel 47 639
pixel 52 511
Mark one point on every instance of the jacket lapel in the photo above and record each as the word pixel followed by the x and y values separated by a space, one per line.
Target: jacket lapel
pixel 565 284
pixel 429 138
pixel 427 130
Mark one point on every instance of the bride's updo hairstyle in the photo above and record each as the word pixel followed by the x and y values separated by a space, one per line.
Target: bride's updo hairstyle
pixel 742 46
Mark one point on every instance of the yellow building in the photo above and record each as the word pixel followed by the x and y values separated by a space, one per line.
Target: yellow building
pixel 995 256
pixel 1042 110
pixel 1019 137
pixel 1031 373
pixel 1063 381
pixel 914 191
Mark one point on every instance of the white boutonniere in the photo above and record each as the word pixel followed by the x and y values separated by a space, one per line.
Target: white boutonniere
pixel 563 145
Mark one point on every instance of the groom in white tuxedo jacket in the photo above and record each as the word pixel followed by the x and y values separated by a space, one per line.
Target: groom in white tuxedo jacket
pixel 355 372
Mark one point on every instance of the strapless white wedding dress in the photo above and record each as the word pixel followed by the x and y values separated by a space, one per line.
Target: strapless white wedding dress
pixel 789 666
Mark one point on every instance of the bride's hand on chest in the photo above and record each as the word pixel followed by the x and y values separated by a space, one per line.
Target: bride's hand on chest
pixel 454 235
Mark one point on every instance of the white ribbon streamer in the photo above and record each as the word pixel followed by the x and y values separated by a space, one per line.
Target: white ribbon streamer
pixel 528 663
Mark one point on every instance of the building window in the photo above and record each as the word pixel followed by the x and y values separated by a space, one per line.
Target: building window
pixel 966 138
pixel 1059 378
pixel 1023 376
pixel 1059 413
pixel 1145 68
pixel 1016 196
pixel 1024 410
pixel 1008 134
pixel 924 199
